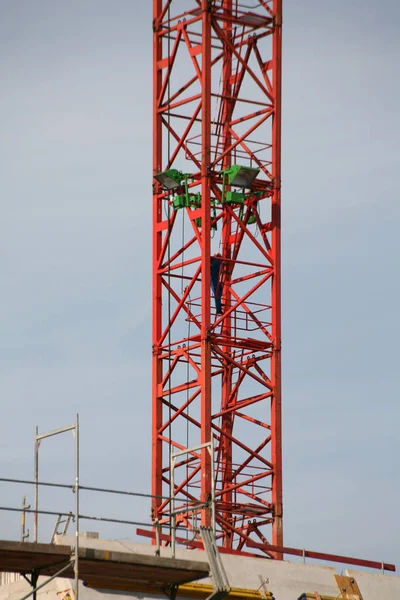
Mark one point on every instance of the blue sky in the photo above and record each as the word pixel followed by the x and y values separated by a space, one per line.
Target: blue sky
pixel 75 114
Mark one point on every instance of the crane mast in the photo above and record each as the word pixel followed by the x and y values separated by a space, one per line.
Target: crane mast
pixel 216 294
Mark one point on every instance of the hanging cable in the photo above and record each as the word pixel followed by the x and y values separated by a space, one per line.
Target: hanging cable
pixel 187 409
pixel 183 245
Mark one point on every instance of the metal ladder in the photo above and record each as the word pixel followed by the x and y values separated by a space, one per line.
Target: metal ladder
pixel 61 521
pixel 217 571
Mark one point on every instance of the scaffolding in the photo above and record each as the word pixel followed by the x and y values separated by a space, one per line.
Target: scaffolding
pixel 163 534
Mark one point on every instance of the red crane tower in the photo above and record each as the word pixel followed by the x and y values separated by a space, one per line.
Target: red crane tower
pixel 217 266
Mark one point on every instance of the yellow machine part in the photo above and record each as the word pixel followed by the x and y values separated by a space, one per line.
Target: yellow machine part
pixel 190 590
pixel 203 590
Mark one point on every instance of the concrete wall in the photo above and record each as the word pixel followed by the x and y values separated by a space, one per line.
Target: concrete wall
pixel 286 580
pixel 7 578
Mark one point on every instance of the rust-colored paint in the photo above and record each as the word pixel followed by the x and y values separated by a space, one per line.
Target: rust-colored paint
pixel 217 102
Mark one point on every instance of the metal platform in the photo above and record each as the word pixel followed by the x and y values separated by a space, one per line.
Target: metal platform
pixel 100 567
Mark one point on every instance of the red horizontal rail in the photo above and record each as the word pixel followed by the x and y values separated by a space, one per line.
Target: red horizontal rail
pixel 360 562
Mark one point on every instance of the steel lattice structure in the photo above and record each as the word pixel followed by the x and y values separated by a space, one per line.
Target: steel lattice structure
pixel 217 263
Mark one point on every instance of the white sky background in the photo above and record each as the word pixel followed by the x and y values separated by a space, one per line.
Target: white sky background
pixel 75 263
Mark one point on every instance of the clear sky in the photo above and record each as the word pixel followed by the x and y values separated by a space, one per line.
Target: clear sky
pixel 75 260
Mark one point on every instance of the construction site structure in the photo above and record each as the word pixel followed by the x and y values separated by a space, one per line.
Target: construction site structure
pixel 217 268
pixel 128 570
pixel 216 432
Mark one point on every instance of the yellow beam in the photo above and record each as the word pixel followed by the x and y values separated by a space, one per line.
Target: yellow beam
pixel 190 590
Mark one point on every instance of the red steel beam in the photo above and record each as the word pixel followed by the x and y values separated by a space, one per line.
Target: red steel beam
pixel 157 372
pixel 205 374
pixel 346 560
pixel 276 369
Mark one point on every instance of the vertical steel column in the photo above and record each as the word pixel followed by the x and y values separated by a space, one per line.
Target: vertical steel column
pixel 205 374
pixel 157 370
pixel 276 409
pixel 225 449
